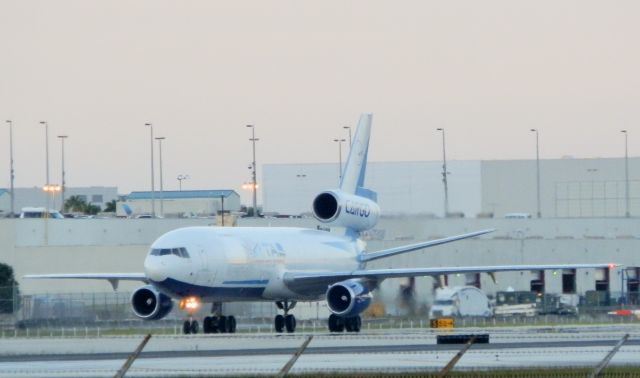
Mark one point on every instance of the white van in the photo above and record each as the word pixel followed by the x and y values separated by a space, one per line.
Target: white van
pixel 40 212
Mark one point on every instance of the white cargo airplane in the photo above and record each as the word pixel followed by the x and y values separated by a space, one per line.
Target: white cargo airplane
pixel 193 265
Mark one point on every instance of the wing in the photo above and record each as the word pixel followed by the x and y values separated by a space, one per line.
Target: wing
pixel 414 247
pixel 113 278
pixel 318 280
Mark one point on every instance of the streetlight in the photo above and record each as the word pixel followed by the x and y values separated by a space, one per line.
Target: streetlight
pixel 153 192
pixel 444 174
pixel 339 159
pixel 253 165
pixel 539 214
pixel 62 189
pixel 626 172
pixel 348 128
pixel 46 146
pixel 11 171
pixel 160 139
pixel 180 178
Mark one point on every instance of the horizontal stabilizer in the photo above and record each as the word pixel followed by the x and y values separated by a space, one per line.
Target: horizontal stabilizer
pixel 414 247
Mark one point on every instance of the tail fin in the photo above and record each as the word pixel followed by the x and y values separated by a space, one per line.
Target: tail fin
pixel 354 171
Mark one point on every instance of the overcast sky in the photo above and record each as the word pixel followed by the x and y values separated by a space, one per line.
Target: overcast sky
pixel 486 71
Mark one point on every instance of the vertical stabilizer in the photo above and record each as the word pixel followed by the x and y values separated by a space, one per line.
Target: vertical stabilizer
pixel 354 171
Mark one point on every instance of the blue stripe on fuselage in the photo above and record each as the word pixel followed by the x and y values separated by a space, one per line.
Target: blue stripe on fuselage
pixel 246 282
pixel 184 289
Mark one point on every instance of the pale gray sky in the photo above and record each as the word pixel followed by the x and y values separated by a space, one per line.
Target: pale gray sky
pixel 487 71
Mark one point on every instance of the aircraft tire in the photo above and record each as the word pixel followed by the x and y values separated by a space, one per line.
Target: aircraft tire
pixel 232 324
pixel 336 323
pixel 223 325
pixel 186 327
pixel 357 323
pixel 194 327
pixel 278 323
pixel 348 324
pixel 290 323
pixel 206 324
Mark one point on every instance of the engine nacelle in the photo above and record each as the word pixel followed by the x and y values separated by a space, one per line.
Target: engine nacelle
pixel 150 304
pixel 346 210
pixel 348 298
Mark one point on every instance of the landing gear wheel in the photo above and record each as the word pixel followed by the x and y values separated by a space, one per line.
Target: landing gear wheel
pixel 357 323
pixel 206 325
pixel 348 324
pixel 231 323
pixel 278 323
pixel 222 324
pixel 336 323
pixel 186 327
pixel 194 327
pixel 353 324
pixel 290 323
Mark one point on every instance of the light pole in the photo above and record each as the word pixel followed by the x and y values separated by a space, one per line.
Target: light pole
pixel 348 128
pixel 339 159
pixel 626 172
pixel 539 213
pixel 153 190
pixel 444 174
pixel 46 148
pixel 62 188
pixel 160 139
pixel 180 178
pixel 253 165
pixel 11 171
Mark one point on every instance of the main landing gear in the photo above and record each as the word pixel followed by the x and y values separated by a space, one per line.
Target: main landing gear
pixel 286 321
pixel 216 323
pixel 339 324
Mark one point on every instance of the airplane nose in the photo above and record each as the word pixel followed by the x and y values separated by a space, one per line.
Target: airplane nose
pixel 155 268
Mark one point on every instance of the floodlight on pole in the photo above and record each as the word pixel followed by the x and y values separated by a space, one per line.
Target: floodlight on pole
pixel 11 171
pixel 63 186
pixel 180 178
pixel 253 139
pixel 339 141
pixel 444 174
pixel 160 139
pixel 153 190
pixel 348 128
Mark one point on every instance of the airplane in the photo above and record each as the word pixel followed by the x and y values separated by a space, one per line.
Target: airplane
pixel 196 265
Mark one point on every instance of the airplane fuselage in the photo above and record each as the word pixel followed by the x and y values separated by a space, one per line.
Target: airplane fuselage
pixel 245 263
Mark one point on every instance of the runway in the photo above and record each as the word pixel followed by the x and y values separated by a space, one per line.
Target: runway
pixel 241 354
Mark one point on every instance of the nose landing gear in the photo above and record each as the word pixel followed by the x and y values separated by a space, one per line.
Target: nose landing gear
pixel 286 321
pixel 190 326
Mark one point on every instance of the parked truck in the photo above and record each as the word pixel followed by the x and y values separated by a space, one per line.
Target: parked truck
pixel 460 301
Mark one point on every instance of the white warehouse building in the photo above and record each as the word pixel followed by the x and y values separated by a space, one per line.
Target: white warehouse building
pixel 568 187
pixel 180 203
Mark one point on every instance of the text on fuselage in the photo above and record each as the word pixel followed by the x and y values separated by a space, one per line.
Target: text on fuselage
pixel 358 209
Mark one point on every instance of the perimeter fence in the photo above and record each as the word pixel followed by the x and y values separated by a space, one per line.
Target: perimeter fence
pixel 91 313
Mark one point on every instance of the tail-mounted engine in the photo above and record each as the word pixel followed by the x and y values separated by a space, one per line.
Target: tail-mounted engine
pixel 340 209
pixel 150 304
pixel 348 298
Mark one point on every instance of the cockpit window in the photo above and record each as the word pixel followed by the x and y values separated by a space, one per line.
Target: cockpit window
pixel 180 252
